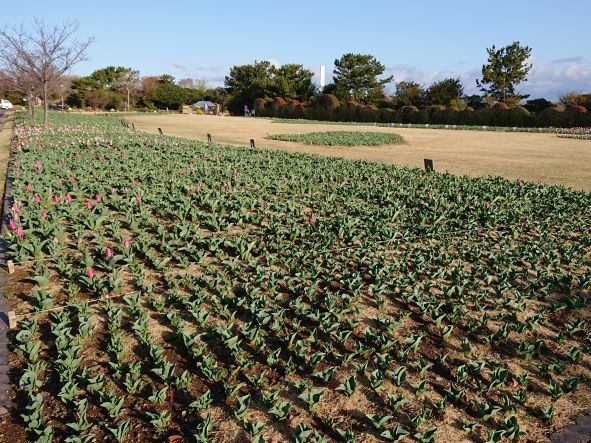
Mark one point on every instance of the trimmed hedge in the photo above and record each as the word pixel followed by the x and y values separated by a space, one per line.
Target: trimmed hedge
pixel 327 107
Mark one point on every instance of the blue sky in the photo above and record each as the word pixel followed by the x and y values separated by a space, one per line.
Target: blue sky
pixel 416 40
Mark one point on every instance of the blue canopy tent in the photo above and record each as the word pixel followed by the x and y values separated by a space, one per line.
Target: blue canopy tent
pixel 207 107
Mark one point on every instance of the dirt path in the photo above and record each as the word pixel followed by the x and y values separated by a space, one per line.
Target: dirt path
pixel 534 157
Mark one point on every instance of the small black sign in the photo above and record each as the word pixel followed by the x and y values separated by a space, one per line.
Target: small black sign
pixel 160 131
pixel 428 164
pixel 252 144
pixel 208 138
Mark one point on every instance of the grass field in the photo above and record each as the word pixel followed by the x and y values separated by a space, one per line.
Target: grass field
pixel 168 287
pixel 541 158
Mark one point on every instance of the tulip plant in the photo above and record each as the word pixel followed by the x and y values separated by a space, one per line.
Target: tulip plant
pixel 170 287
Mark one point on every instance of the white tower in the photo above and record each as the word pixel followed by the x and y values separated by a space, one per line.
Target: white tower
pixel 322 76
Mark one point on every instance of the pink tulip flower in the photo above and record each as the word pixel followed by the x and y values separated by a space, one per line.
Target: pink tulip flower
pixel 486 205
pixel 90 272
pixel 36 199
pixel 109 252
pixel 20 232
pixel 126 244
pixel 429 196
pixel 313 217
pixel 43 213
pixel 98 198
pixel 89 205
pixel 11 225
pixel 56 199
pixel 29 186
pixel 69 197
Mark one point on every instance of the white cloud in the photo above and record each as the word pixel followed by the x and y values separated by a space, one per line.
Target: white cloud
pixel 551 80
pixel 548 80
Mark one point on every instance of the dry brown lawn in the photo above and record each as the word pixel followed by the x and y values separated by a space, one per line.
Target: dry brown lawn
pixel 542 158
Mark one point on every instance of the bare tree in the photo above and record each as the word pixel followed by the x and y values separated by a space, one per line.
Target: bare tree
pixel 128 82
pixel 45 53
pixel 186 83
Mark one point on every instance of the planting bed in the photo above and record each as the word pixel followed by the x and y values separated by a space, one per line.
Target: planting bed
pixel 340 138
pixel 167 287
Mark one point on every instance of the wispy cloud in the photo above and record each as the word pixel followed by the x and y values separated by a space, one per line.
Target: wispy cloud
pixel 212 74
pixel 568 60
pixel 181 66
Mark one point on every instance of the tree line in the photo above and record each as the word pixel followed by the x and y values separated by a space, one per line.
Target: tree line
pixel 35 63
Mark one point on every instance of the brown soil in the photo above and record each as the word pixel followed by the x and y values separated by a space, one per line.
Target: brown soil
pixel 540 158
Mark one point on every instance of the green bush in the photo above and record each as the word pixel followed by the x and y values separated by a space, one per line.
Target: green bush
pixel 260 107
pixel 388 115
pixel 328 101
pixel 166 96
pixel 369 114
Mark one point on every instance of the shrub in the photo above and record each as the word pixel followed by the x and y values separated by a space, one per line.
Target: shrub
pixel 259 106
pixel 279 101
pixel 437 108
pixel 388 115
pixel 277 107
pixel 501 106
pixel 550 117
pixel 328 101
pixel 298 110
pixel 537 105
pixel 166 96
pixel 578 109
pixel 369 114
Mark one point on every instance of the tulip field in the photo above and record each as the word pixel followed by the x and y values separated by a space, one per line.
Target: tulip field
pixel 340 138
pixel 174 290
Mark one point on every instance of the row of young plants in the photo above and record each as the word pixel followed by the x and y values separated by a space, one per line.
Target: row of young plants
pixel 236 294
pixel 339 138
pixel 545 130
